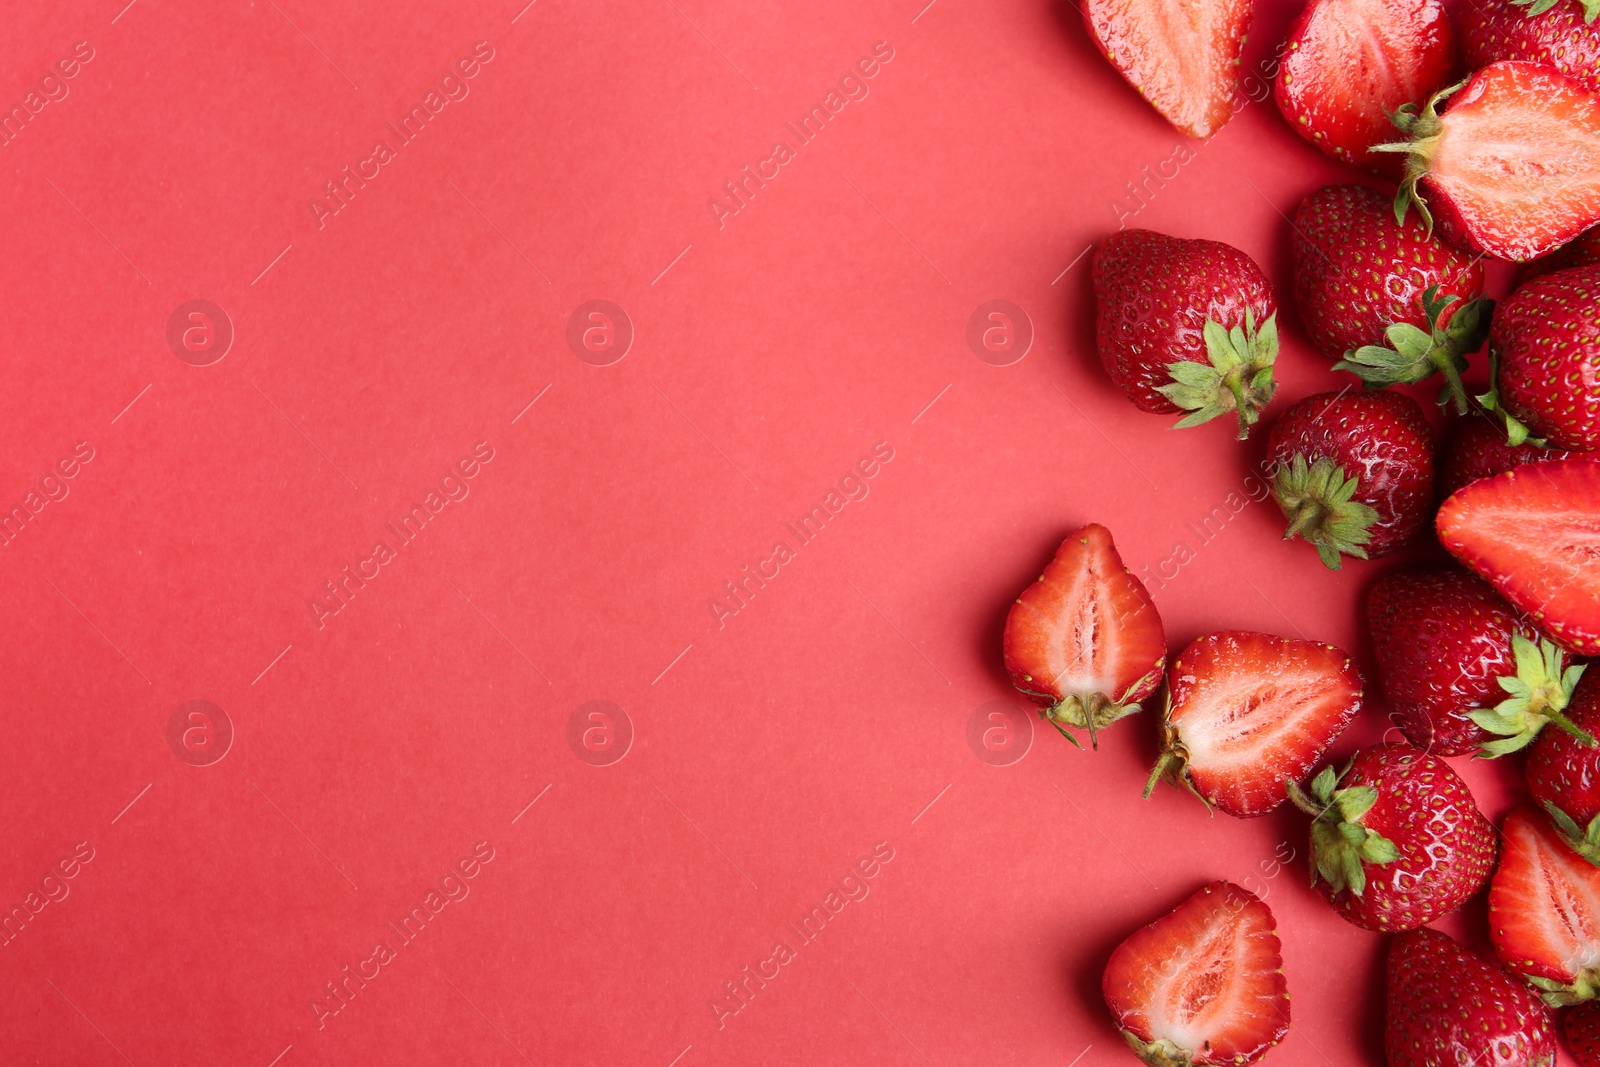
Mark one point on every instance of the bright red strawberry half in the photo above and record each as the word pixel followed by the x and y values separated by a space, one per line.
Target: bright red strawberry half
pixel 1449 1007
pixel 1396 840
pixel 1182 55
pixel 1546 346
pixel 1512 167
pixel 1085 640
pixel 1459 667
pixel 1349 63
pixel 1544 911
pixel 1389 300
pixel 1477 448
pixel 1534 534
pixel 1582 1027
pixel 1563 773
pixel 1250 711
pixel 1185 326
pixel 1558 33
pixel 1203 984
pixel 1353 472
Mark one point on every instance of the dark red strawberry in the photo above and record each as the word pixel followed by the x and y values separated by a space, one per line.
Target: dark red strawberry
pixel 1534 533
pixel 1248 711
pixel 1558 33
pixel 1203 984
pixel 1353 472
pixel 1582 1027
pixel 1185 326
pixel 1564 774
pixel 1348 64
pixel 1449 1007
pixel 1389 300
pixel 1512 168
pixel 1396 840
pixel 1581 251
pixel 1546 346
pixel 1085 640
pixel 1182 55
pixel 1477 448
pixel 1460 669
pixel 1544 911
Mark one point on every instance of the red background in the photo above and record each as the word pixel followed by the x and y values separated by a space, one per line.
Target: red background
pixel 771 353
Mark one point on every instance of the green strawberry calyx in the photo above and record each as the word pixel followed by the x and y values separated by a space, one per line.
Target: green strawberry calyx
pixel 1415 353
pixel 1319 501
pixel 1516 432
pixel 1173 763
pixel 1092 712
pixel 1585 840
pixel 1538 694
pixel 1535 8
pixel 1341 846
pixel 1422 127
pixel 1237 376
pixel 1157 1052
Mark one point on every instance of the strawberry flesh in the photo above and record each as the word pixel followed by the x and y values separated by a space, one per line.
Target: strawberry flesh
pixel 1544 911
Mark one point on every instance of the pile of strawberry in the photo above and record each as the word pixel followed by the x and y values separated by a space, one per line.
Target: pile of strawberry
pixel 1481 652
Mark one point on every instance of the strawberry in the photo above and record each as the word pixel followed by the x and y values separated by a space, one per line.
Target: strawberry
pixel 1203 984
pixel 1389 300
pixel 1354 473
pixel 1544 911
pixel 1512 167
pixel 1534 533
pixel 1558 33
pixel 1448 1007
pixel 1182 55
pixel 1248 711
pixel 1347 64
pixel 1581 251
pixel 1477 448
pixel 1085 640
pixel 1582 1027
pixel 1185 326
pixel 1564 774
pixel 1458 666
pixel 1396 839
pixel 1546 354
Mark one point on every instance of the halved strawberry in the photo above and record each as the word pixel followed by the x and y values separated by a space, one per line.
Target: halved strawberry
pixel 1203 984
pixel 1182 55
pixel 1249 711
pixel 1512 167
pixel 1534 533
pixel 1085 640
pixel 1544 911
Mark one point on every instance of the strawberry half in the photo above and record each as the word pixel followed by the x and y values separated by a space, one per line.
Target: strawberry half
pixel 1185 326
pixel 1203 984
pixel 1564 774
pixel 1182 55
pixel 1448 1007
pixel 1534 533
pixel 1558 33
pixel 1545 344
pixel 1248 712
pixel 1396 840
pixel 1512 167
pixel 1582 1027
pixel 1347 64
pixel 1477 448
pixel 1085 640
pixel 1544 911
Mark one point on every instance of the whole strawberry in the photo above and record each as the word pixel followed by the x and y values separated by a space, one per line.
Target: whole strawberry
pixel 1476 448
pixel 1459 667
pixel 1558 33
pixel 1582 1027
pixel 1354 472
pixel 1546 343
pixel 1185 325
pixel 1564 773
pixel 1396 840
pixel 1387 299
pixel 1448 1007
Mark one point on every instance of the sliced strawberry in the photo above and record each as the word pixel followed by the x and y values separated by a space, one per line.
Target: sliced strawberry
pixel 1544 911
pixel 1534 533
pixel 1085 640
pixel 1182 55
pixel 1203 984
pixel 1349 63
pixel 1250 711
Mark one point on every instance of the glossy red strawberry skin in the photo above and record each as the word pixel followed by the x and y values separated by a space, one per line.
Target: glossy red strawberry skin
pixel 1380 438
pixel 1447 847
pixel 1442 638
pixel 1560 769
pixel 1547 336
pixel 1357 271
pixel 1348 63
pixel 1153 295
pixel 1544 910
pixel 1581 1025
pixel 1476 448
pixel 1560 37
pixel 1448 1007
pixel 1206 979
pixel 1581 251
